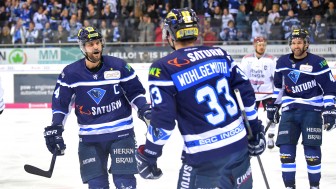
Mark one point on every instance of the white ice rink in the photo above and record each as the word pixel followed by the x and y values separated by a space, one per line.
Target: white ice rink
pixel 22 142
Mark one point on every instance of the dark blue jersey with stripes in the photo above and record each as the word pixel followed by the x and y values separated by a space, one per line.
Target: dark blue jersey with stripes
pixel 304 84
pixel 195 87
pixel 102 100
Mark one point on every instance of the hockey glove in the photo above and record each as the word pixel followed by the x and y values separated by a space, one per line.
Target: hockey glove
pixel 273 112
pixel 144 113
pixel 329 118
pixel 147 169
pixel 257 144
pixel 54 139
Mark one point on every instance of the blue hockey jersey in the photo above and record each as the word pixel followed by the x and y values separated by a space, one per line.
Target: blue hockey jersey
pixel 307 84
pixel 102 100
pixel 195 87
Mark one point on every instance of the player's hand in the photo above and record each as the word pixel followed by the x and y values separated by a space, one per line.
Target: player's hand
pixel 147 169
pixel 329 118
pixel 273 112
pixel 257 144
pixel 54 140
pixel 145 114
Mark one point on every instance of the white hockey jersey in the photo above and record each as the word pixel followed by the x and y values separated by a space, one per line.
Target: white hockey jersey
pixel 261 73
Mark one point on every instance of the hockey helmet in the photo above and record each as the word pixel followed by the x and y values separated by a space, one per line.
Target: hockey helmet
pixel 181 24
pixel 87 34
pixel 299 33
pixel 259 39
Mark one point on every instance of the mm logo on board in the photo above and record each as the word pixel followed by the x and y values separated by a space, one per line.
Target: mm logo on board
pixel 49 55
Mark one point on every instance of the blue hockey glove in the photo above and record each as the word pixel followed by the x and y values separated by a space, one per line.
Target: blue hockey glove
pixel 257 144
pixel 54 139
pixel 329 119
pixel 273 112
pixel 147 168
pixel 145 114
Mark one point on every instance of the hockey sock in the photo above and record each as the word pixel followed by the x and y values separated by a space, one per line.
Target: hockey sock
pixel 288 165
pixel 313 159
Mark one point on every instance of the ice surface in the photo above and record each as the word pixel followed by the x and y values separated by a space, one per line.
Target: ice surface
pixel 22 142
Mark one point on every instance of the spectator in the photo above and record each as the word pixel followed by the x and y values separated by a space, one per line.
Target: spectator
pixel 25 14
pixel 74 27
pixel 18 32
pixel 318 30
pixel 304 14
pixel 158 35
pixel 5 37
pixel 76 8
pixel 92 15
pixel 146 29
pixel 107 15
pixel 60 36
pixel 216 20
pixel 233 6
pixel 40 18
pixel 32 34
pixel 290 23
pixel 330 16
pixel 284 9
pixel 3 16
pixel 47 33
pixel 115 34
pixel 242 24
pixel 152 13
pixel 317 8
pixel 272 15
pixel 259 28
pixel 226 17
pixel 276 32
pixel 104 30
pixel 209 7
pixel 257 12
pixel 209 36
pixel 229 34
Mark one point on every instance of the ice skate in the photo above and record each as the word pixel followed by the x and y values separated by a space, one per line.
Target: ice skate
pixel 270 141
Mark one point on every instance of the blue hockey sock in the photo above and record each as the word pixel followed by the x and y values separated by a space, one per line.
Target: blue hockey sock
pixel 288 166
pixel 313 159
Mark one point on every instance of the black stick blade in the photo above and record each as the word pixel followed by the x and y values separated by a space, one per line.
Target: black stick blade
pixel 37 171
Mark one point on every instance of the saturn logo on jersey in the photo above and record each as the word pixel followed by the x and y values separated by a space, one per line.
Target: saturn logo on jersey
pixel 174 62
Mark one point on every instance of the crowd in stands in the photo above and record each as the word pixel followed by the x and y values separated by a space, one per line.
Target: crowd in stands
pixel 228 21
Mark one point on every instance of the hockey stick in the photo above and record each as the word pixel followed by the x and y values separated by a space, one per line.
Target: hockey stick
pixel 250 134
pixel 37 171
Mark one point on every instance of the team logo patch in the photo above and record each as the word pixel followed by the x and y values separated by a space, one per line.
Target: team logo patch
pixel 157 133
pixel 112 74
pixel 96 94
pixel 294 76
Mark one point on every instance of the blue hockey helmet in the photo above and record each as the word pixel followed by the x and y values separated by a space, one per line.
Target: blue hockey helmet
pixel 299 33
pixel 181 24
pixel 87 34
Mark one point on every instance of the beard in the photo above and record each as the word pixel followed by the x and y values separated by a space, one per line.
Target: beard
pixel 298 52
pixel 95 56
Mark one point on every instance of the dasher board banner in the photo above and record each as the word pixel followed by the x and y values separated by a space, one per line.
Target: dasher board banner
pixel 34 87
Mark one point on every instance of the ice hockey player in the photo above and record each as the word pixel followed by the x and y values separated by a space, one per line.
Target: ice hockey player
pixel 259 67
pixel 103 90
pixel 194 85
pixel 306 89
